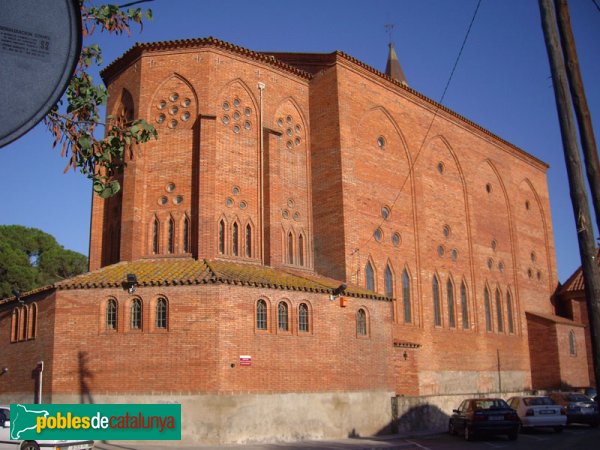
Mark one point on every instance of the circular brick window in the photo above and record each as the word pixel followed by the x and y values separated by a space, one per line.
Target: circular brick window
pixel 396 239
pixel 378 234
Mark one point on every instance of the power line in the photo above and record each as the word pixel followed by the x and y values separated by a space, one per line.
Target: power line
pixel 412 166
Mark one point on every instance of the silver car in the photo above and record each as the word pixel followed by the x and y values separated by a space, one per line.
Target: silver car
pixel 6 443
pixel 539 411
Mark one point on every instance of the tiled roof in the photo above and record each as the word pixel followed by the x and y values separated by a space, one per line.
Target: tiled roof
pixel 139 48
pixel 575 283
pixel 554 319
pixel 188 271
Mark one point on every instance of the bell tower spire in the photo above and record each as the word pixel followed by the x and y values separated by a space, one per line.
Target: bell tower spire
pixel 393 68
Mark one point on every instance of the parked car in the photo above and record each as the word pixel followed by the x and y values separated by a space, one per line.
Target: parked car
pixel 539 411
pixel 6 443
pixel 591 392
pixel 484 416
pixel 579 408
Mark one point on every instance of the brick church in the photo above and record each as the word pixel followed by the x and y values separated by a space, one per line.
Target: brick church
pixel 308 238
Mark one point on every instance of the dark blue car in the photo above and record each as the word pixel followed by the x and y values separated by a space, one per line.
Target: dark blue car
pixel 484 416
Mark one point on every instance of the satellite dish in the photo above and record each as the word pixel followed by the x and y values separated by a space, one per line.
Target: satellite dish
pixel 40 42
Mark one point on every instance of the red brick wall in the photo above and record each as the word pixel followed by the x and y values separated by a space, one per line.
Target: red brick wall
pixel 543 349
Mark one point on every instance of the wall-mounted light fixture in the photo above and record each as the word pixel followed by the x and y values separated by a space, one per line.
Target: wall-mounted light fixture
pixel 131 283
pixel 335 293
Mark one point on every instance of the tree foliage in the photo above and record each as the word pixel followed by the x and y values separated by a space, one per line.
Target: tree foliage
pixel 76 118
pixel 30 258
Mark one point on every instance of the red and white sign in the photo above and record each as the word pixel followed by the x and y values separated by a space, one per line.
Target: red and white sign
pixel 245 360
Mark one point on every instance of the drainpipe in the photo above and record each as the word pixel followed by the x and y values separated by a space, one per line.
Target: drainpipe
pixel 261 88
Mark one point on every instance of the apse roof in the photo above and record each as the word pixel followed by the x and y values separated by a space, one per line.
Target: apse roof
pixel 189 271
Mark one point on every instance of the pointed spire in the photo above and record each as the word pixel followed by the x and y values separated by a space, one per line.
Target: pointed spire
pixel 392 68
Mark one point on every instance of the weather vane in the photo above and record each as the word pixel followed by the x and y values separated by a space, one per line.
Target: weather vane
pixel 388 28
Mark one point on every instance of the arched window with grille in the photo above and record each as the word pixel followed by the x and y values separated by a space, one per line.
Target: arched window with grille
pixel 572 344
pixel 111 314
pixel 171 236
pixel 290 248
pixel 369 276
pixel 221 237
pixel 406 296
pixel 261 315
pixel 235 239
pixel 282 316
pixel 303 322
pixel 136 314
pixel 509 313
pixel 186 234
pixel 389 281
pixel 499 317
pixel 437 310
pixel 488 309
pixel 464 306
pixel 450 300
pixel 248 241
pixel 361 322
pixel 161 313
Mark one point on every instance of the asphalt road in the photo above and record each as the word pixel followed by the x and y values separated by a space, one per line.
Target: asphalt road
pixel 573 437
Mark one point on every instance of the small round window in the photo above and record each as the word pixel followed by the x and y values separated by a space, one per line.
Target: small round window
pixel 172 123
pixel 243 205
pixel 527 205
pixel 490 263
pixel 178 200
pixel 236 115
pixel 236 102
pixel 285 213
pixel 441 250
pixel 446 230
pixel 290 203
pixel 396 239
pixel 296 216
pixel 186 103
pixel 289 144
pixel 280 122
pixel 378 234
pixel 170 187
pixel 385 213
pixel 236 129
pixel 494 244
pixel 229 202
pixel 488 188
pixel 440 167
pixel 162 104
pixel 288 119
pixel 247 112
pixel 529 273
pixel 174 96
pixel 381 142
pixel 163 200
pixel 226 106
pixel 186 116
pixel 174 110
pixel 235 190
pixel 501 266
pixel 454 254
pixel 533 257
pixel 161 118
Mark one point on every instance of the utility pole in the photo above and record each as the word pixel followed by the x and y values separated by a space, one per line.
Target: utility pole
pixel 581 211
pixel 584 118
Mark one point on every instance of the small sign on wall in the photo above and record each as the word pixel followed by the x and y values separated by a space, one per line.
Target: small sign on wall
pixel 245 360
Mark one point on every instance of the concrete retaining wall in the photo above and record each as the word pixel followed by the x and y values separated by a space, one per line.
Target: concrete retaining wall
pixel 252 418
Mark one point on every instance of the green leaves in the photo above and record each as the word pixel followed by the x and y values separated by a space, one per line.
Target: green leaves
pixel 74 125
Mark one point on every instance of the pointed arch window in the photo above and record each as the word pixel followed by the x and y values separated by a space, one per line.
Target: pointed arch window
pixel 235 239
pixel 111 314
pixel 301 250
pixel 450 298
pixel 186 235
pixel 25 320
pixel 488 309
pixel 261 315
pixel 155 236
pixel 136 314
pixel 406 297
pixel 171 236
pixel 161 313
pixel 509 313
pixel 248 241
pixel 464 306
pixel 369 277
pixel 389 282
pixel 499 317
pixel 282 316
pixel 221 237
pixel 572 344
pixel 361 322
pixel 437 313
pixel 33 321
pixel 290 248
pixel 303 317
pixel 14 335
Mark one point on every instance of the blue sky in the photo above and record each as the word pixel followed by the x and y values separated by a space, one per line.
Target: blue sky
pixel 502 83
